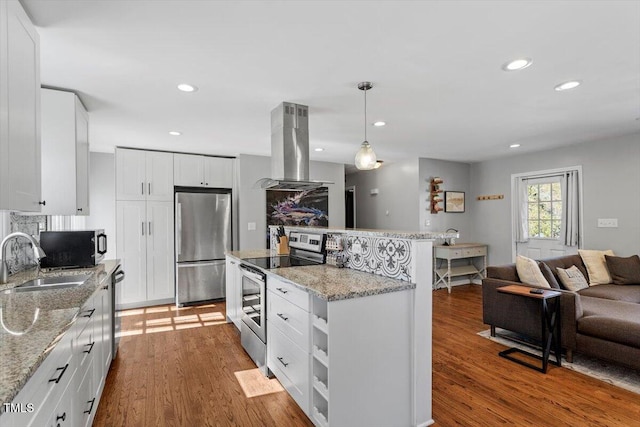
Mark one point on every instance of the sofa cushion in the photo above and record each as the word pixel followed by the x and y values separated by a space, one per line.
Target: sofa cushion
pixel 596 266
pixel 624 271
pixel 565 262
pixel 627 293
pixel 503 272
pixel 529 272
pixel 572 278
pixel 610 320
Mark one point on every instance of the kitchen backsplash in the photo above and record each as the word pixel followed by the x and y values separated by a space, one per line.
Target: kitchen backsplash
pixel 19 253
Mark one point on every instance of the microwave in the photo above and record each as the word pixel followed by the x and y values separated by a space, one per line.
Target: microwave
pixel 84 248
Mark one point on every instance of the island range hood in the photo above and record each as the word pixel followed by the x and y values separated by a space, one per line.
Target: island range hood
pixel 290 150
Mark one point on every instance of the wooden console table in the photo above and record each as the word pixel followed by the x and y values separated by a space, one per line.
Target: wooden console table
pixel 469 251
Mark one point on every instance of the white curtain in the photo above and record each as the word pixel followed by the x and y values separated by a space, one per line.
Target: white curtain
pixel 521 209
pixel 570 232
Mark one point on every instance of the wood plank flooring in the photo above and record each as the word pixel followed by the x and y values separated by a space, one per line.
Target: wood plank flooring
pixel 187 368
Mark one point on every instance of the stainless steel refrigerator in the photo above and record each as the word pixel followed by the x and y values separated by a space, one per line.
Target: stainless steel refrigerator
pixel 203 234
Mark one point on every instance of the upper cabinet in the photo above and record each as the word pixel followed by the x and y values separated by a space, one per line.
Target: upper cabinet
pixel 65 154
pixel 19 110
pixel 144 175
pixel 192 170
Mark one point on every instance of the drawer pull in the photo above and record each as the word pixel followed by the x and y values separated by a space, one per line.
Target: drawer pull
pixel 90 347
pixel 61 417
pixel 92 401
pixel 283 363
pixel 63 369
pixel 90 312
pixel 283 317
pixel 284 291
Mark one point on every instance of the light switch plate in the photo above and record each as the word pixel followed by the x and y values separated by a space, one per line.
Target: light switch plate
pixel 251 226
pixel 607 222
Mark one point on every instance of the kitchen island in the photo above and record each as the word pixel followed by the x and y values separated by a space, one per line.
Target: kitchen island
pixel 353 345
pixel 48 335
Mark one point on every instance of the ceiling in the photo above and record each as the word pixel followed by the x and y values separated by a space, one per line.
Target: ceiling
pixel 435 67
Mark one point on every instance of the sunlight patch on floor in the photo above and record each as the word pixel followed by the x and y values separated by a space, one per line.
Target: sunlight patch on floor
pixel 254 384
pixel 175 323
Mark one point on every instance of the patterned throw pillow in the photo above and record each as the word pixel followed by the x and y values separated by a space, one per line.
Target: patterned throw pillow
pixel 529 272
pixel 572 278
pixel 596 266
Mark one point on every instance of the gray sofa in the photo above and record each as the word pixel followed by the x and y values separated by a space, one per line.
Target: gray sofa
pixel 601 321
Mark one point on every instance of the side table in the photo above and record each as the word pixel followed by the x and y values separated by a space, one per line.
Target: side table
pixel 468 251
pixel 550 327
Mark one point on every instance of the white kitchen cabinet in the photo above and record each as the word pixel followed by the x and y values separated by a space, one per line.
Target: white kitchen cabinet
pixel 288 339
pixel 145 245
pixel 65 154
pixel 144 175
pixel 191 170
pixel 20 184
pixel 233 291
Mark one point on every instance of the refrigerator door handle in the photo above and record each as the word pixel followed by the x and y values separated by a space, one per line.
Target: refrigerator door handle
pixel 198 264
pixel 179 227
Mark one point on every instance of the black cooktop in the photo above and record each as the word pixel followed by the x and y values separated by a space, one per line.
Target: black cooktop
pixel 269 263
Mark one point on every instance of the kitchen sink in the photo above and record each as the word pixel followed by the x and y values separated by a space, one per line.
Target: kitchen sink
pixel 54 282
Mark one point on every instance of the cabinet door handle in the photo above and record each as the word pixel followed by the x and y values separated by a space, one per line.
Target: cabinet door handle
pixel 142 227
pixel 63 369
pixel 43 203
pixel 79 209
pixel 142 188
pixel 90 347
pixel 61 417
pixel 90 313
pixel 149 193
pixel 284 291
pixel 92 401
pixel 149 229
pixel 283 317
pixel 283 363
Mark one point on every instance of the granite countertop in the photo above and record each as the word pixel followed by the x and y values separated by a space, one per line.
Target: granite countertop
pixel 328 282
pixel 396 234
pixel 33 322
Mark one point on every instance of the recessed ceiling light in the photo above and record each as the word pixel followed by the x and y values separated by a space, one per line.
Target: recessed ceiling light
pixel 379 124
pixel 319 149
pixel 518 64
pixel 568 85
pixel 187 88
pixel 175 133
pixel 514 146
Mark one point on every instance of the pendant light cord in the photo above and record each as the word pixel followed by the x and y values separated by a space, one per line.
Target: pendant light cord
pixel 365 114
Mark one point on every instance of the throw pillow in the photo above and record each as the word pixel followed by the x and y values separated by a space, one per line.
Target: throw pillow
pixel 596 266
pixel 548 275
pixel 572 278
pixel 624 271
pixel 529 272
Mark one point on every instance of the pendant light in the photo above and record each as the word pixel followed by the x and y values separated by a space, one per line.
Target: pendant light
pixel 365 157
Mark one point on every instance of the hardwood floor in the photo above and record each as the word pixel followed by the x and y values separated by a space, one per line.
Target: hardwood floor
pixel 187 368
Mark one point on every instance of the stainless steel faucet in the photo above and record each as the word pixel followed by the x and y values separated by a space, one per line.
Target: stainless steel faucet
pixel 38 253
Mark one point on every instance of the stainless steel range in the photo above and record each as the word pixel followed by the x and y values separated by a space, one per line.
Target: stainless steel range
pixel 305 249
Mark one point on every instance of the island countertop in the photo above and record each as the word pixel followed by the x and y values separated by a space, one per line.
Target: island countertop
pixel 328 282
pixel 33 322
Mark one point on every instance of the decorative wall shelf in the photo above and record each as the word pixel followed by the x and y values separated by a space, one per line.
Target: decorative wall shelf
pixel 435 192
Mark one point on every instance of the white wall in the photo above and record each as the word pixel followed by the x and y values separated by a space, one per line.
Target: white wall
pixel 252 201
pixel 396 206
pixel 611 178
pixel 102 190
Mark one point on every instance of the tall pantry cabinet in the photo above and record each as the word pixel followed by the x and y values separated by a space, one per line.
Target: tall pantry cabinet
pixel 144 224
pixel 19 110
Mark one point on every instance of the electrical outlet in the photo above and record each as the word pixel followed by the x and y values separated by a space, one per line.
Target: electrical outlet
pixel 427 222
pixel 356 248
pixel 607 222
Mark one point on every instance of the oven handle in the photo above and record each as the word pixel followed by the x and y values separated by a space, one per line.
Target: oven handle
pixel 251 273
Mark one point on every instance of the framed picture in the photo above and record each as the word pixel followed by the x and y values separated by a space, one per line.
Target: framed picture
pixel 454 201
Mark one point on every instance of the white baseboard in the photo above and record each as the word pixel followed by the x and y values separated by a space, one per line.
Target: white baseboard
pixel 459 282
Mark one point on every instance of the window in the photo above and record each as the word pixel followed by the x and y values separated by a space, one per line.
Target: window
pixel 544 200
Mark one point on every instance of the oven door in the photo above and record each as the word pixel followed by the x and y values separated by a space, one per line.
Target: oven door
pixel 253 301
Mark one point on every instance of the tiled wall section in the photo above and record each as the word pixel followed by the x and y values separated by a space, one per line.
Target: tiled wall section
pixel 378 255
pixel 19 253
